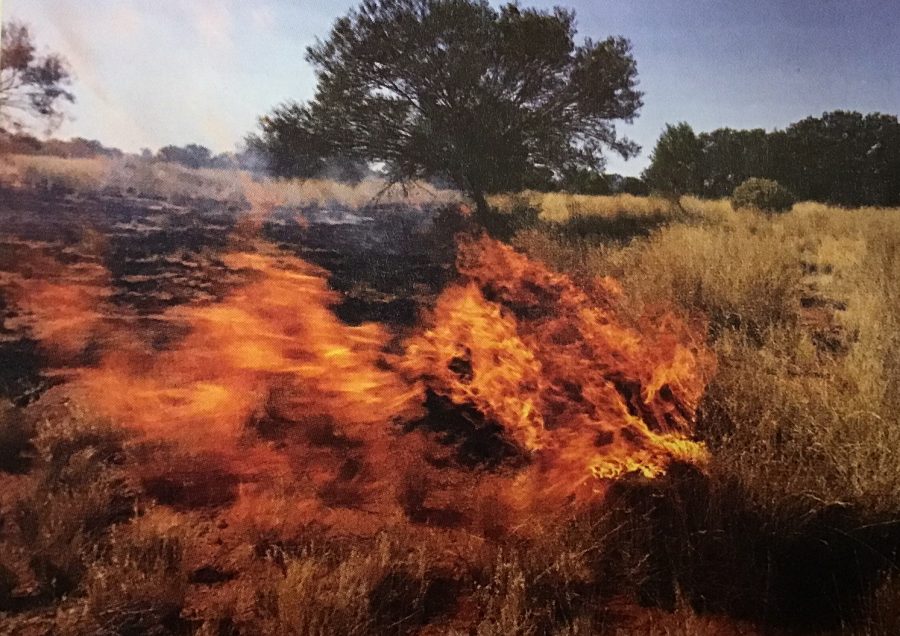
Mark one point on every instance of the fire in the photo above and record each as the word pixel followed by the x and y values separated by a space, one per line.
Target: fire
pixel 60 304
pixel 270 350
pixel 585 397
pixel 269 387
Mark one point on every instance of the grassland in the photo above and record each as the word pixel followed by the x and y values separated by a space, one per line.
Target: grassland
pixel 137 177
pixel 794 526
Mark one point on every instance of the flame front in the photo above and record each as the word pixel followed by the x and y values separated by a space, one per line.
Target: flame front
pixel 268 386
pixel 585 397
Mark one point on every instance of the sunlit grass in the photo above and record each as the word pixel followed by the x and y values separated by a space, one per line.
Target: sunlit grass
pixel 139 177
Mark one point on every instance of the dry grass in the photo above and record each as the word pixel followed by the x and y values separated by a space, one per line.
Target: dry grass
pixel 133 176
pixel 803 419
pixel 803 314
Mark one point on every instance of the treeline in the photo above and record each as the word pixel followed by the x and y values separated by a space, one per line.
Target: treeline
pixel 842 157
pixel 75 148
pixel 190 155
pixel 197 156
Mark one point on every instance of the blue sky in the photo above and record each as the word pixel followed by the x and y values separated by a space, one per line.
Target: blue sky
pixel 150 73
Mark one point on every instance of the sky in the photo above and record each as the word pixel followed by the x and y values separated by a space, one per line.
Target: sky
pixel 151 73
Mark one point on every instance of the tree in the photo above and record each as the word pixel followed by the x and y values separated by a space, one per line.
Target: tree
pixel 490 99
pixel 634 186
pixel 191 155
pixel 842 157
pixel 675 163
pixel 582 181
pixel 30 84
pixel 730 157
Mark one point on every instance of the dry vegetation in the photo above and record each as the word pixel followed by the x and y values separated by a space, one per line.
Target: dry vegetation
pixel 803 311
pixel 157 179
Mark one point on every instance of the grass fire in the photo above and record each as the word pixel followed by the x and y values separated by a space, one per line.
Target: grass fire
pixel 411 359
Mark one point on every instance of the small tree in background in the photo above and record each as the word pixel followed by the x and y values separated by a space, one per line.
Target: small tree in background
pixel 30 85
pixel 191 155
pixel 765 195
pixel 675 163
pixel 490 99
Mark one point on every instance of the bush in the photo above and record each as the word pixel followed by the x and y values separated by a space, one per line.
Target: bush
pixel 78 491
pixel 762 194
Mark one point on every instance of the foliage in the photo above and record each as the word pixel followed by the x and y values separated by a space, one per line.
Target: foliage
pixel 842 157
pixel 765 195
pixel 491 99
pixel 75 148
pixel 190 156
pixel 30 85
pixel 582 181
pixel 674 162
pixel 631 185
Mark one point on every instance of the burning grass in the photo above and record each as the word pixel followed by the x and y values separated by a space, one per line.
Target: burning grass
pixel 547 448
pixel 507 414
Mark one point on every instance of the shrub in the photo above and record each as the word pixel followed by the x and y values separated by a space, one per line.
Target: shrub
pixel 138 582
pixel 77 493
pixel 762 194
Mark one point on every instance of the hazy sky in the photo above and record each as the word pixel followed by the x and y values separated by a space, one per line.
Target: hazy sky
pixel 155 72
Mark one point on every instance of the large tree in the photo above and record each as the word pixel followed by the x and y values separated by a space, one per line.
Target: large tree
pixel 491 99
pixel 31 85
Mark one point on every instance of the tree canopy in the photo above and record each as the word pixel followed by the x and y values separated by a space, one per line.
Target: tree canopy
pixel 842 157
pixel 31 85
pixel 675 161
pixel 491 99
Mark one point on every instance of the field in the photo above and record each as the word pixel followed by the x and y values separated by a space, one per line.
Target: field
pixel 333 466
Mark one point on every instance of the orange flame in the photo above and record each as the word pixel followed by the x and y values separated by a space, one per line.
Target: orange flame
pixel 587 398
pixel 60 304
pixel 271 348
pixel 271 387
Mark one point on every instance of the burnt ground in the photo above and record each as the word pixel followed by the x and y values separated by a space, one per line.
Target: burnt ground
pixel 384 259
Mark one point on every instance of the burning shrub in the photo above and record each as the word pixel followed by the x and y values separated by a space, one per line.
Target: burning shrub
pixel 765 195
pixel 572 386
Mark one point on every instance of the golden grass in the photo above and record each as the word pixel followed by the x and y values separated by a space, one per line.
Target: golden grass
pixel 803 311
pixel 561 206
pixel 134 176
pixel 803 418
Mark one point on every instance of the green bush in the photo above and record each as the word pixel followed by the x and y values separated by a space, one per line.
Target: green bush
pixel 762 194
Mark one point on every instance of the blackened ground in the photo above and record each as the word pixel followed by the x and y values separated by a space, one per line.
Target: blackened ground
pixel 385 260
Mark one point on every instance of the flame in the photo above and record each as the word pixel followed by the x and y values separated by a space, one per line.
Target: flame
pixel 60 304
pixel 585 397
pixel 272 348
pixel 272 395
